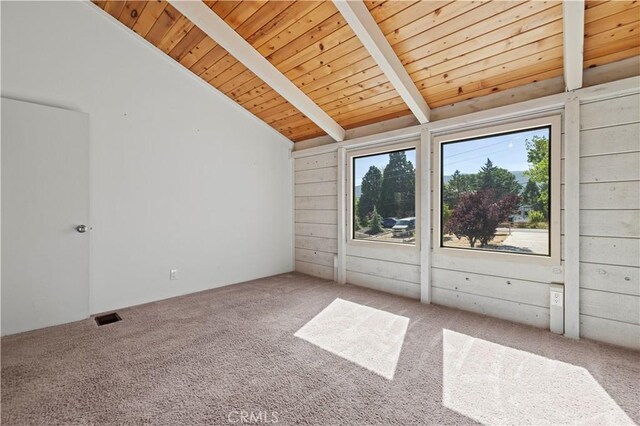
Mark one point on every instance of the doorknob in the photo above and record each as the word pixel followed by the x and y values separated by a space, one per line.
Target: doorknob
pixel 82 228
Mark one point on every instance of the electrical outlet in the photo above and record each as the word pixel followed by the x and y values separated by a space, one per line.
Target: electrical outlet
pixel 173 274
pixel 556 298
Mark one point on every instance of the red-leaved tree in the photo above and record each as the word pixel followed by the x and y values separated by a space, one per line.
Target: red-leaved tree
pixel 477 216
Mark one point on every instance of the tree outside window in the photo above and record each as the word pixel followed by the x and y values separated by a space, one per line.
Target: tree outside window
pixel 384 197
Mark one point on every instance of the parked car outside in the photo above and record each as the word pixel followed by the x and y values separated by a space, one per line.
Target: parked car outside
pixel 389 222
pixel 404 227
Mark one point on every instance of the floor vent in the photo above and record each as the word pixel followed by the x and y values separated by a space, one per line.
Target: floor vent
pixel 107 319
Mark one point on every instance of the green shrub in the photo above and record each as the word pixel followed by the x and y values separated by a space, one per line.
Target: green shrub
pixel 535 217
pixel 446 215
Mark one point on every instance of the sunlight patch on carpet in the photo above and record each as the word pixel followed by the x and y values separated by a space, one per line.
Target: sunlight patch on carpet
pixel 495 384
pixel 368 337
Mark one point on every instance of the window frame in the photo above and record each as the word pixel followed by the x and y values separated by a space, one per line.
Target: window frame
pixel 555 186
pixel 351 155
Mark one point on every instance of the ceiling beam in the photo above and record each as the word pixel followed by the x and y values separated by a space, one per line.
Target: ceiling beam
pixel 573 30
pixel 357 15
pixel 216 28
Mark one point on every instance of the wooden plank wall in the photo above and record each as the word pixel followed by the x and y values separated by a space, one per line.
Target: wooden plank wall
pixel 395 270
pixel 316 214
pixel 610 220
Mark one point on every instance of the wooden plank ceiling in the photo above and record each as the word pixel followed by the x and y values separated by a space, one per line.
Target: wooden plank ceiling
pixel 453 51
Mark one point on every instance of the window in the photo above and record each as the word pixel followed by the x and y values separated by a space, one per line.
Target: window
pixel 383 188
pixel 498 190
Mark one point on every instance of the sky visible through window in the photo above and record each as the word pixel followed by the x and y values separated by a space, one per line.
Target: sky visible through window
pixel 380 161
pixel 506 151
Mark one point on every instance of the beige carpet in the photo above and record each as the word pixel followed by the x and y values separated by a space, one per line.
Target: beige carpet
pixel 284 349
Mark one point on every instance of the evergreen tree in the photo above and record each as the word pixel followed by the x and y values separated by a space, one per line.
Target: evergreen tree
pixel 498 180
pixel 371 187
pixel 375 224
pixel 531 196
pixel 457 185
pixel 397 197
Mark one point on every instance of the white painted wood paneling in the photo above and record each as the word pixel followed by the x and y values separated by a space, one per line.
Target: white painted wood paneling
pixel 425 216
pixel 316 230
pixel 597 141
pixel 384 269
pixel 610 196
pixel 341 258
pixel 615 306
pixel 329 159
pixel 319 271
pixel 610 251
pixel 610 331
pixel 316 216
pixel 610 221
pixel 401 288
pixel 533 293
pixel 610 112
pixel 381 252
pixel 329 202
pixel 316 189
pixel 325 174
pixel 571 205
pixel 498 269
pixel 327 245
pixel 500 308
pixel 610 168
pixel 315 257
pixel 616 279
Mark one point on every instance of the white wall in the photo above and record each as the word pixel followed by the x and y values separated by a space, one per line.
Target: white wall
pixel 181 177
pixel 610 220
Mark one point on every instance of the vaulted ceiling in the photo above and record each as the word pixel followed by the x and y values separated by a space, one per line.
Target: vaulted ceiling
pixel 452 51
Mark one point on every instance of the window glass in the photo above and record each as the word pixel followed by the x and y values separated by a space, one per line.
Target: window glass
pixel 495 192
pixel 384 197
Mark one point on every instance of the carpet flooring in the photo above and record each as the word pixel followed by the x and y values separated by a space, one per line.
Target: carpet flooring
pixel 231 356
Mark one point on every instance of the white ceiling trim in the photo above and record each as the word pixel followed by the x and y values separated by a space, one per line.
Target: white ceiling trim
pixel 216 28
pixel 573 31
pixel 357 15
